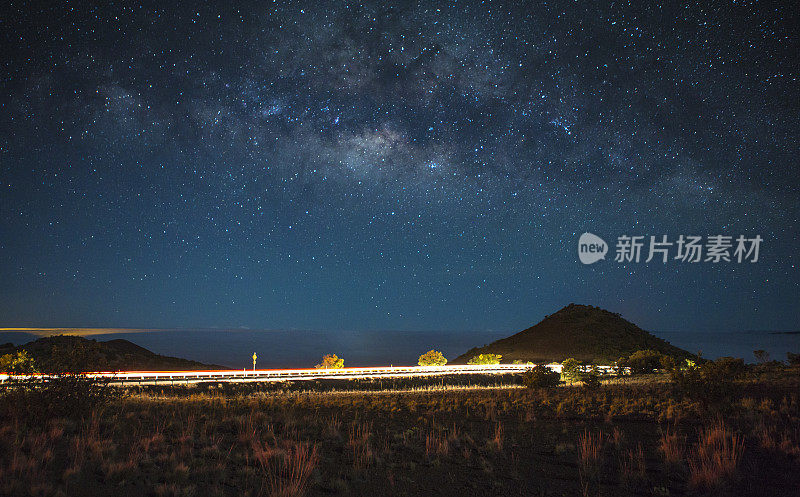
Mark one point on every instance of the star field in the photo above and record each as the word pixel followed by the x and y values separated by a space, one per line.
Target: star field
pixel 419 165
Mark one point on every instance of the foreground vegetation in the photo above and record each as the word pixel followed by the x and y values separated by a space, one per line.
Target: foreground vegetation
pixel 642 435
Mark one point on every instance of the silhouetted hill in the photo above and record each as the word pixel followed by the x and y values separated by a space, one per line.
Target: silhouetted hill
pixel 75 353
pixel 584 332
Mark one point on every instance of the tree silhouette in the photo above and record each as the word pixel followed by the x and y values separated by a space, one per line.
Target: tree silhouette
pixel 571 369
pixel 486 359
pixel 432 358
pixel 330 361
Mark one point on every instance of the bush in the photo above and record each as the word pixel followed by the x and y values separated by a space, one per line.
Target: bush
pixel 330 361
pixel 18 363
pixel 486 359
pixel 794 359
pixel 710 382
pixel 668 363
pixel 36 400
pixel 571 369
pixel 540 377
pixel 432 358
pixel 64 390
pixel 723 369
pixel 644 361
pixel 591 381
pixel 620 366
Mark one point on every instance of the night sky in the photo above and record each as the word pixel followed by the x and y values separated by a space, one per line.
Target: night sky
pixel 419 166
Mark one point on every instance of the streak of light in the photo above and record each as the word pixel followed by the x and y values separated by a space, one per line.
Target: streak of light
pixel 271 375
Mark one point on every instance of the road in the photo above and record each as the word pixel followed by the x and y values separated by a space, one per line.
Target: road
pixel 272 375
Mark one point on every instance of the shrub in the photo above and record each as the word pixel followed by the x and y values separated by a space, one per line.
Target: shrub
pixel 486 359
pixel 540 377
pixel 64 390
pixel 644 361
pixel 723 369
pixel 432 358
pixel 794 359
pixel 570 369
pixel 18 363
pixel 330 361
pixel 668 363
pixel 686 382
pixel 710 382
pixel 620 366
pixel 591 380
pixel 36 400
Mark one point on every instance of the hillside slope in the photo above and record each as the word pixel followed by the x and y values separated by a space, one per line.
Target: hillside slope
pixel 584 332
pixel 75 353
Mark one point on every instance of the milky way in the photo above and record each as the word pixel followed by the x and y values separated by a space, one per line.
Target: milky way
pixel 417 166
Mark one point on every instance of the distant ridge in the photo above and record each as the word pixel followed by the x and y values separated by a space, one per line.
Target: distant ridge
pixel 111 355
pixel 584 332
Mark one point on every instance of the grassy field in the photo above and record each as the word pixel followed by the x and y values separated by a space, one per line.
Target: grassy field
pixel 628 437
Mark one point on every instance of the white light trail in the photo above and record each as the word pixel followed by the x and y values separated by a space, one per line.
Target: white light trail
pixel 272 375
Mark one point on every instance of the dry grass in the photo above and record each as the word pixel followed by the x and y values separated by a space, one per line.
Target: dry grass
pixel 287 470
pixel 436 444
pixel 497 439
pixel 451 442
pixel 633 468
pixel 359 443
pixel 334 427
pixel 671 447
pixel 590 447
pixel 715 457
pixel 617 438
pixel 784 440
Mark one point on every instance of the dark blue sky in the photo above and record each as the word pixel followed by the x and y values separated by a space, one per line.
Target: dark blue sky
pixel 421 166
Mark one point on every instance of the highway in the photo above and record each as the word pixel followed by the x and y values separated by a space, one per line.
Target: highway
pixel 273 375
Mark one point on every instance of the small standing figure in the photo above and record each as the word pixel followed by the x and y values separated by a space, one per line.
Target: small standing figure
pixel 254 361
